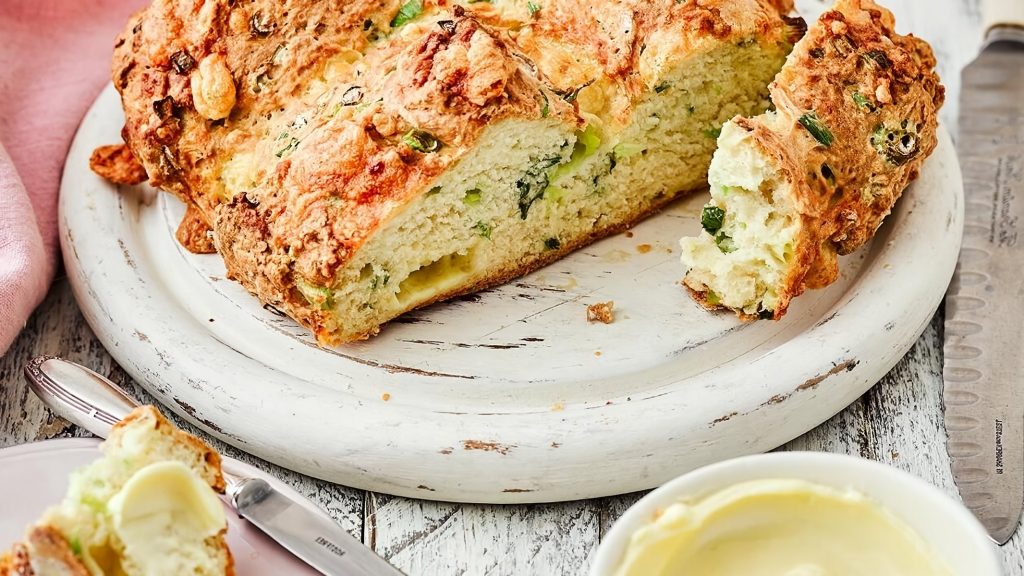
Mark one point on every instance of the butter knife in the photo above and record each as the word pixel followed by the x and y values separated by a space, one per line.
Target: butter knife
pixel 93 402
pixel 983 370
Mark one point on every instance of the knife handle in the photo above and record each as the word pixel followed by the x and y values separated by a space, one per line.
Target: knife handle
pixel 999 13
pixel 78 394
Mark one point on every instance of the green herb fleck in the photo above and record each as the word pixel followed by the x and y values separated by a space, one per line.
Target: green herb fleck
pixel 94 503
pixel 472 197
pixel 691 109
pixel 817 128
pixel 552 244
pixel 725 243
pixel 76 546
pixel 483 229
pixel 573 94
pixel 711 218
pixel 408 12
pixel 712 298
pixel 421 141
pixel 713 133
pixel 626 149
pixel 289 148
pixel 662 87
pixel 319 296
pixel 546 108
pixel 590 139
pixel 434 190
pixel 863 102
pixel 531 185
pixel 533 8
pixel 380 280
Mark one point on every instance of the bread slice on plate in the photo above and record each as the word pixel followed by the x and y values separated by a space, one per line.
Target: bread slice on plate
pixel 791 189
pixel 147 507
pixel 355 159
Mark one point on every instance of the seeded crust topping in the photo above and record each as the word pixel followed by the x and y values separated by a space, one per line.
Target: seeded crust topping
pixel 855 118
pixel 295 133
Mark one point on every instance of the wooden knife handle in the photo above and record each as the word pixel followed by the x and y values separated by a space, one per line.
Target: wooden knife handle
pixel 1002 13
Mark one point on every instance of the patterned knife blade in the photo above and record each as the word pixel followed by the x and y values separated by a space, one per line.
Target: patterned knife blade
pixel 984 344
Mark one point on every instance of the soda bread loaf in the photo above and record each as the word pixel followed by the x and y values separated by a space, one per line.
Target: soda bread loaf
pixel 147 507
pixel 354 159
pixel 854 118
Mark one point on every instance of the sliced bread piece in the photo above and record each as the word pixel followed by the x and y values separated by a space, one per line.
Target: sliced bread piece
pixel 147 507
pixel 354 160
pixel 791 189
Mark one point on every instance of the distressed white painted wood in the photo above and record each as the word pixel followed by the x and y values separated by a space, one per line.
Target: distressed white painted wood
pixel 898 421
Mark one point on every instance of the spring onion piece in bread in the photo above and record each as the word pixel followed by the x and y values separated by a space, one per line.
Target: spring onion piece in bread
pixel 355 159
pixel 147 507
pixel 791 189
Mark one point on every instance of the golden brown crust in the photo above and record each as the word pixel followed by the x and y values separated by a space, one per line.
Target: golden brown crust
pixel 151 417
pixel 194 233
pixel 44 548
pixel 319 94
pixel 117 164
pixel 15 562
pixel 856 117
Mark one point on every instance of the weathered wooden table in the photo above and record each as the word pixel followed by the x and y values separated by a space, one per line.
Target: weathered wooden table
pixel 898 422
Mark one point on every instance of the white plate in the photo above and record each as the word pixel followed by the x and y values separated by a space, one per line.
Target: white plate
pixel 508 395
pixel 34 477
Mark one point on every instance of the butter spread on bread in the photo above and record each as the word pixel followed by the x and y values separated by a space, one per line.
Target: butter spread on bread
pixel 147 507
pixel 351 160
pixel 854 118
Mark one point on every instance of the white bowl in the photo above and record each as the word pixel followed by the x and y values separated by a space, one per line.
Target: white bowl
pixel 942 522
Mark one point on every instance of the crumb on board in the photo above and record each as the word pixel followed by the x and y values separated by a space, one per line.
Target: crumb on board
pixel 597 353
pixel 643 248
pixel 603 312
pixel 558 407
pixel 629 234
pixel 385 396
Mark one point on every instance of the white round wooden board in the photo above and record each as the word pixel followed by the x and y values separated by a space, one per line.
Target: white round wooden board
pixel 508 395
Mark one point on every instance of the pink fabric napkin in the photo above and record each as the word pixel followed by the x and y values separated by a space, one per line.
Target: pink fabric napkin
pixel 54 60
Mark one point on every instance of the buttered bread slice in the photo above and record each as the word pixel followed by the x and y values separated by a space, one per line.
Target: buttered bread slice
pixel 352 159
pixel 791 189
pixel 147 507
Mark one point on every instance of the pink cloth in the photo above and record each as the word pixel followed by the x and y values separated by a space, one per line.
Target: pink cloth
pixel 54 60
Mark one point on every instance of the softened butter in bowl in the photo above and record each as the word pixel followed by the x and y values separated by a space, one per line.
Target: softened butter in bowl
pixel 797 514
pixel 779 527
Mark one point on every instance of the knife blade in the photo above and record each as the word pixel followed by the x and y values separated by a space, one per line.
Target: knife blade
pixel 93 402
pixel 318 541
pixel 983 369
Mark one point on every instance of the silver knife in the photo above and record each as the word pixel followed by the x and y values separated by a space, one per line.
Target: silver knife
pixel 983 369
pixel 93 402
